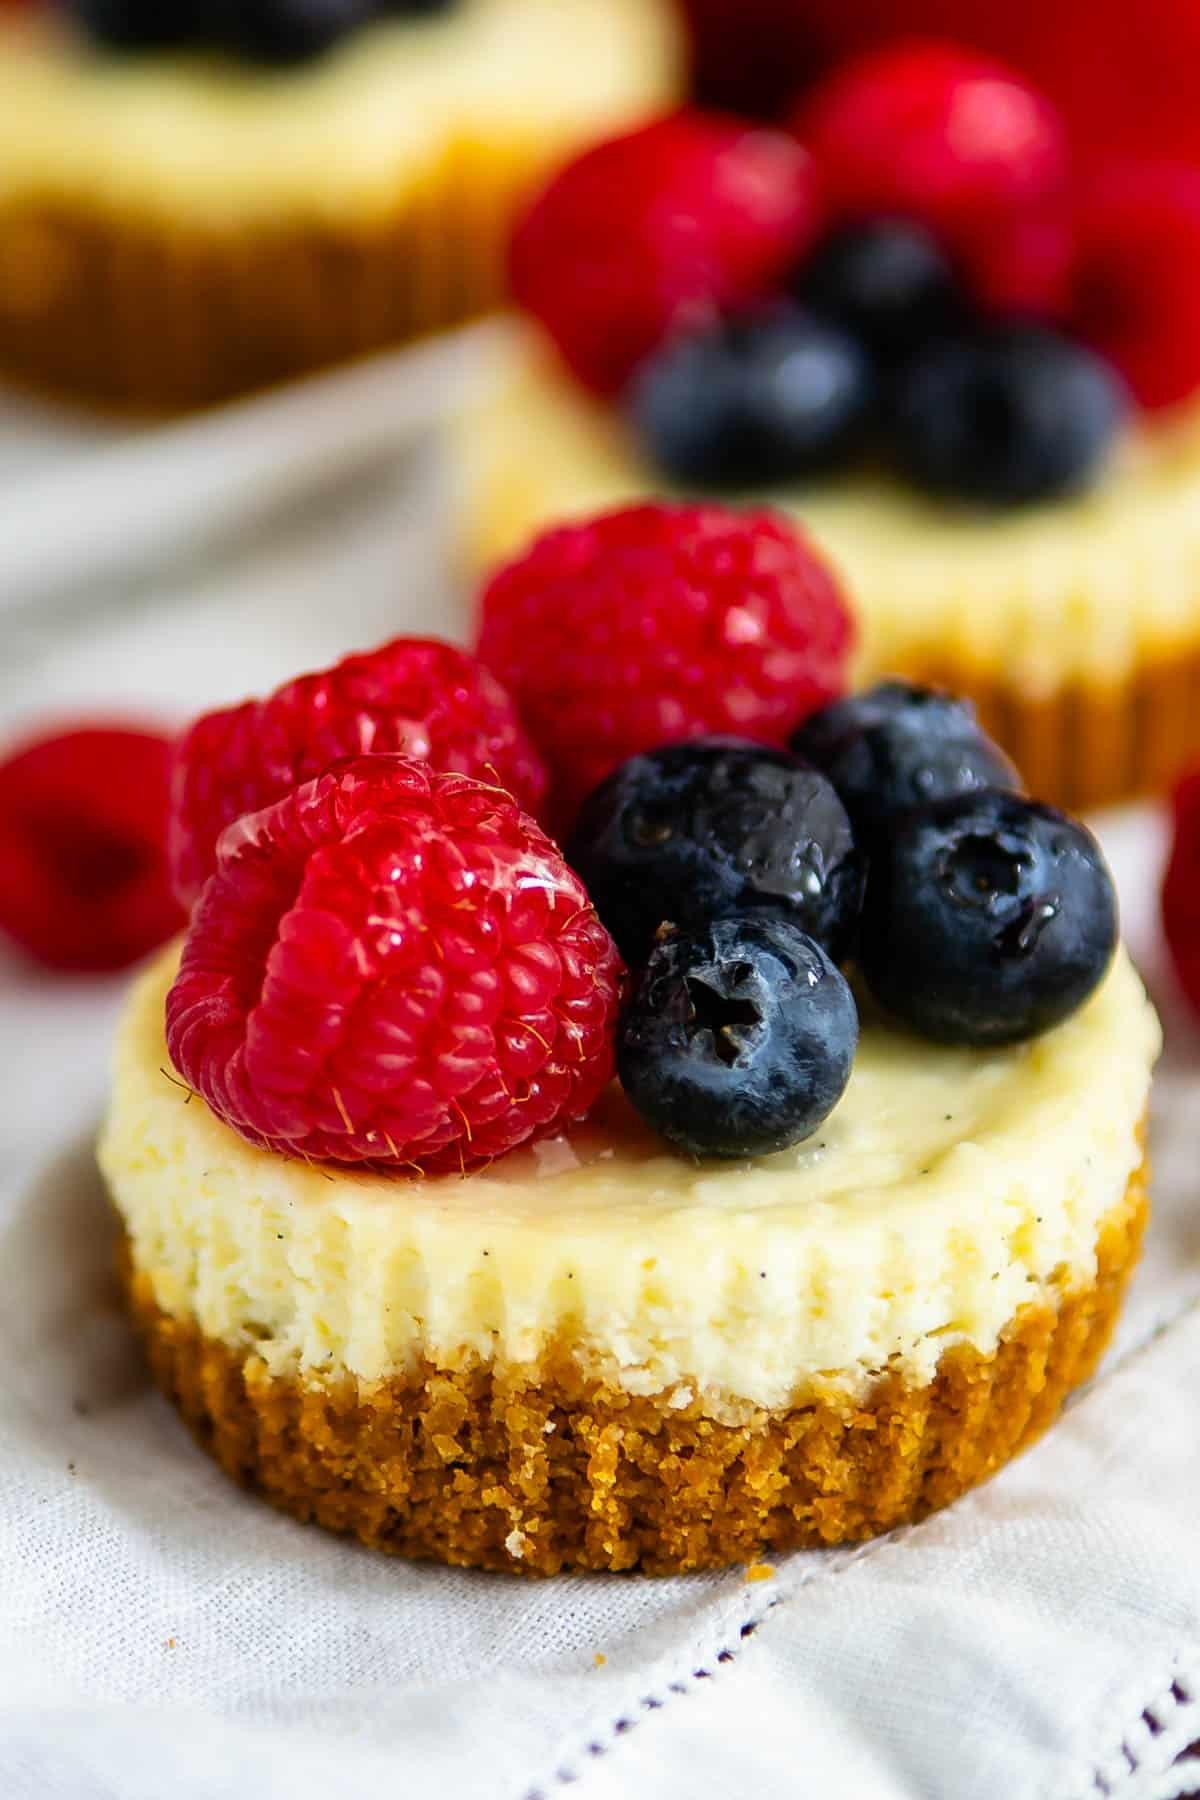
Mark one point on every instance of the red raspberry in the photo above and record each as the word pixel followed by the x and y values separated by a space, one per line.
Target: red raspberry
pixel 416 697
pixel 1124 75
pixel 83 864
pixel 1137 276
pixel 648 230
pixel 949 137
pixel 657 623
pixel 1181 887
pixel 394 967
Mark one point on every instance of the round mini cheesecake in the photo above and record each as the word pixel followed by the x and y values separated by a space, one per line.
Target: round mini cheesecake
pixel 598 1354
pixel 178 227
pixel 1073 625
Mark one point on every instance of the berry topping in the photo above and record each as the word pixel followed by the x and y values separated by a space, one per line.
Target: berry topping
pixel 1005 417
pixel 286 31
pixel 1137 277
pixel 897 747
pixel 739 1038
pixel 139 24
pixel 692 215
pixel 694 831
pixel 1181 888
pixel 888 282
pixel 944 136
pixel 415 697
pixel 657 623
pixel 987 920
pixel 394 967
pixel 760 399
pixel 83 863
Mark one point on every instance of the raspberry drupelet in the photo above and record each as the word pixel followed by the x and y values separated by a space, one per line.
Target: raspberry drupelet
pixel 416 697
pixel 394 968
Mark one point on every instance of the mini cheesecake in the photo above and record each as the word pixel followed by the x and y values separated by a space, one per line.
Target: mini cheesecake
pixel 597 1354
pixel 178 227
pixel 1073 625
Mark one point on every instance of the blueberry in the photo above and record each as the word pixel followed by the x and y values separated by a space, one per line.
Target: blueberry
pixel 897 746
pixel 1009 415
pixel 139 24
pixel 287 31
pixel 739 1037
pixel 693 831
pixel 761 399
pixel 988 919
pixel 888 282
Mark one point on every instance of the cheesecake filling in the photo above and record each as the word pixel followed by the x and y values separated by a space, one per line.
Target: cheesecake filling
pixel 204 140
pixel 947 1190
pixel 1078 589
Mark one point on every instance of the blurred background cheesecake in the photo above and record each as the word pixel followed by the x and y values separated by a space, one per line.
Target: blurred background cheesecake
pixel 199 200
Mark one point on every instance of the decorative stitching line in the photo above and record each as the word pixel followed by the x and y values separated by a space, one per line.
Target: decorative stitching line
pixel 1145 1760
pixel 567 1775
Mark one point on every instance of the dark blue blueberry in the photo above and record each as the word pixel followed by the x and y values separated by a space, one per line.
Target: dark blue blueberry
pixel 140 24
pixel 693 831
pixel 1004 417
pixel 762 399
pixel 897 746
pixel 888 282
pixel 988 919
pixel 288 31
pixel 739 1037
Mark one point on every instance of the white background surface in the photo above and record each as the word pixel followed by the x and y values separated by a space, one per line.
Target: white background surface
pixel 162 1634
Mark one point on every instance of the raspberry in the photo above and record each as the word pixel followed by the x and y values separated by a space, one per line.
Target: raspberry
pixel 83 864
pixel 1125 76
pixel 1137 276
pixel 416 697
pixel 394 967
pixel 961 143
pixel 657 623
pixel 653 229
pixel 1181 888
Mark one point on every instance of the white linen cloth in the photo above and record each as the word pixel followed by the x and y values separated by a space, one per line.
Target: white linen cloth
pixel 162 1634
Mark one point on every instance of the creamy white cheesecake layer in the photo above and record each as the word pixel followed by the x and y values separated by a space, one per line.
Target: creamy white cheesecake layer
pixel 204 140
pixel 1082 589
pixel 948 1188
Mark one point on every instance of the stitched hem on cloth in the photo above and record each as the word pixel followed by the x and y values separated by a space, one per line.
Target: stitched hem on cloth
pixel 1177 1714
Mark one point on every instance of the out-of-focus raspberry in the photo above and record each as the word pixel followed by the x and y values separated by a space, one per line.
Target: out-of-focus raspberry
pixel 934 132
pixel 1181 888
pixel 694 214
pixel 83 864
pixel 1136 280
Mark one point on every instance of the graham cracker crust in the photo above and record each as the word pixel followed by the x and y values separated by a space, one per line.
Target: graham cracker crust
pixel 145 316
pixel 558 1470
pixel 1082 746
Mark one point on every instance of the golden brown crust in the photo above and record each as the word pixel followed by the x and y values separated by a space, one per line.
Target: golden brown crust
pixel 504 1471
pixel 141 316
pixel 1082 746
